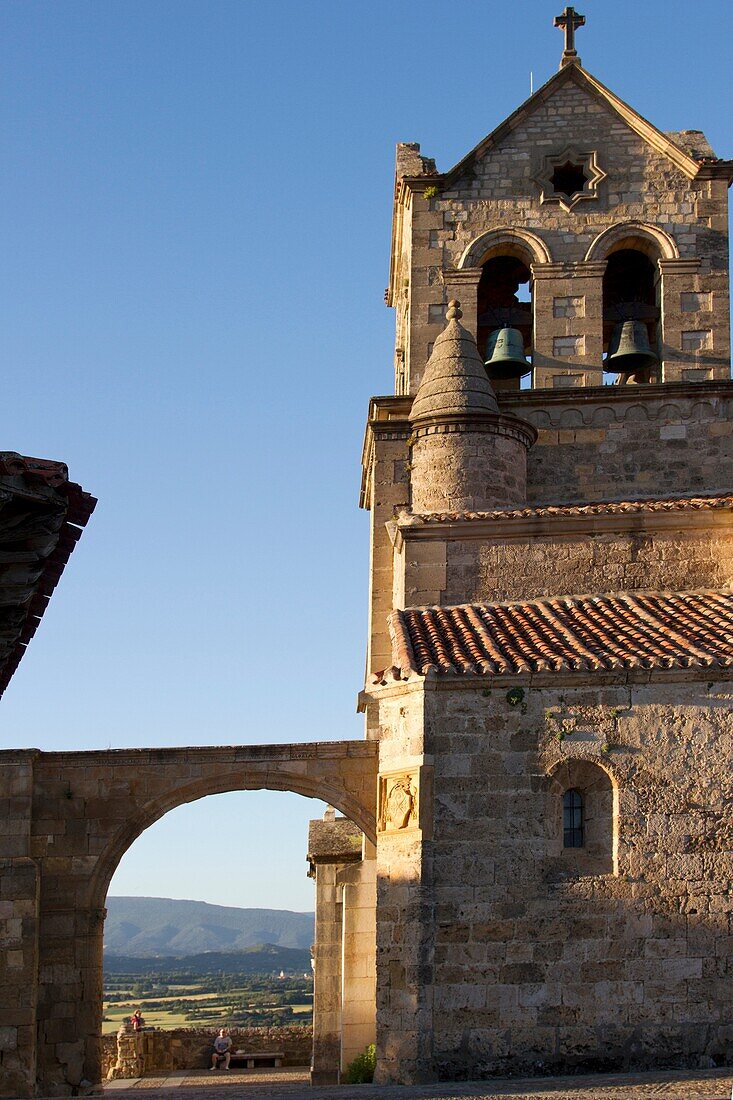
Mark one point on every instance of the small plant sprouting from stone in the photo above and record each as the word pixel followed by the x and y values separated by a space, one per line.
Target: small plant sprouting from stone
pixel 430 192
pixel 515 696
pixel 605 748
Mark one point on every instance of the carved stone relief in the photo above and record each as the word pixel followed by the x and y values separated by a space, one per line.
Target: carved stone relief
pixel 398 802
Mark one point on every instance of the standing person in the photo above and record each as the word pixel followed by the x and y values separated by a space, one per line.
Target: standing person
pixel 137 1020
pixel 221 1052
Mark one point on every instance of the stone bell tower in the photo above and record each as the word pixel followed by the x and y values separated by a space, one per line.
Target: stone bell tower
pixel 551 620
pixel 572 216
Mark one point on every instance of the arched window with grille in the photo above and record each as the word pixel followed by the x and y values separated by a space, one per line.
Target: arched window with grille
pixel 572 815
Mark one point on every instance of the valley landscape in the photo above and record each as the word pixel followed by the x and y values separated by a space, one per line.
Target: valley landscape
pixel 191 964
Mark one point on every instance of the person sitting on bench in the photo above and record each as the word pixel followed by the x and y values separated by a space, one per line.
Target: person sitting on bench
pixel 222 1050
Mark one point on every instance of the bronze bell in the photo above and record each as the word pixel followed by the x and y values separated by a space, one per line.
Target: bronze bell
pixel 629 351
pixel 505 356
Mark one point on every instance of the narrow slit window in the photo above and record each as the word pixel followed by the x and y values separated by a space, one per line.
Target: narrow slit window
pixel 572 819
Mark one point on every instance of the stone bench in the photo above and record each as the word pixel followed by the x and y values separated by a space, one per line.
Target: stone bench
pixel 253 1057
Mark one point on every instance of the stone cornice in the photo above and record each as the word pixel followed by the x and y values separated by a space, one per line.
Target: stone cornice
pixel 233 754
pixel 395 408
pixel 389 415
pixel 388 419
pixel 720 170
pixel 560 527
pixel 632 395
pixel 489 424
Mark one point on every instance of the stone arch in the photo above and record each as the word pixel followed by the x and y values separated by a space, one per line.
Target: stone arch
pixel 107 799
pixel 649 239
pixel 157 808
pixel 599 788
pixel 507 241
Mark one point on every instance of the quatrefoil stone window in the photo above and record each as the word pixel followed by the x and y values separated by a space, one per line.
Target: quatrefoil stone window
pixel 569 177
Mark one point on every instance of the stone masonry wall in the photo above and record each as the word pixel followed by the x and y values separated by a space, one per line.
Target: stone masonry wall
pixel 537 964
pixel 19 927
pixel 404 907
pixel 460 471
pixel 531 567
pixel 190 1048
pixel 630 444
pixel 445 569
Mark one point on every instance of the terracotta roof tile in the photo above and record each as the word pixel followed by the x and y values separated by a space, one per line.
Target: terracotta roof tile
pixel 628 630
pixel 602 507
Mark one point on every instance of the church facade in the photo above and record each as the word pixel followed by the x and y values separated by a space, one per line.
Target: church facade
pixel 551 618
pixel 533 868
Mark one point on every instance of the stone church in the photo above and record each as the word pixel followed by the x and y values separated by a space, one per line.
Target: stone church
pixel 533 868
pixel 551 618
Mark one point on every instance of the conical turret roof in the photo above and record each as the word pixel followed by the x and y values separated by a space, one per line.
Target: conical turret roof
pixel 455 382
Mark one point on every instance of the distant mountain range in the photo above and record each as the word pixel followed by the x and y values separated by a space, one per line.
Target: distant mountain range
pixel 264 959
pixel 149 927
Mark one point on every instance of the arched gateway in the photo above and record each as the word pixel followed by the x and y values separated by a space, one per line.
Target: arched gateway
pixel 70 817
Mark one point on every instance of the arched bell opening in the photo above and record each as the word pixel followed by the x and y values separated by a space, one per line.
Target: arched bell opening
pixel 631 315
pixel 504 319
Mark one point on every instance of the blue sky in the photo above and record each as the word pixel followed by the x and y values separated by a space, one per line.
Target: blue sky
pixel 196 203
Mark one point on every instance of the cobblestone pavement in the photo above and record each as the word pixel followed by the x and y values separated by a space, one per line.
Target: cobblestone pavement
pixel 285 1085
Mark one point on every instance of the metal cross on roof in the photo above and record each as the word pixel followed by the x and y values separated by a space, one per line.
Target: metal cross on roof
pixel 569 22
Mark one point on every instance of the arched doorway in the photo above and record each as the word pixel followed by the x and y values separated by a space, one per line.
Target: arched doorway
pixel 192 968
pixel 90 809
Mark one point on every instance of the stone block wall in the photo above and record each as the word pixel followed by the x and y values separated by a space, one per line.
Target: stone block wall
pixel 628 442
pixel 19 925
pixel 530 567
pixel 190 1048
pixel 542 560
pixel 19 970
pixel 535 962
pixel 464 470
pixel 404 901
pixel 343 865
pixel 386 488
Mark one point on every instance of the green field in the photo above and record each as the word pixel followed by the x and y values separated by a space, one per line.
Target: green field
pixel 216 999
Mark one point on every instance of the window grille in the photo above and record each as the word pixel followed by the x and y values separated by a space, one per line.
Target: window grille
pixel 572 819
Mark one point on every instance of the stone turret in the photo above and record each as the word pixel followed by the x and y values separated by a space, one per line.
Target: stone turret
pixel 466 455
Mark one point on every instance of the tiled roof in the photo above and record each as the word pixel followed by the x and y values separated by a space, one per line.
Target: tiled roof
pixel 628 630
pixel 41 516
pixel 599 508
